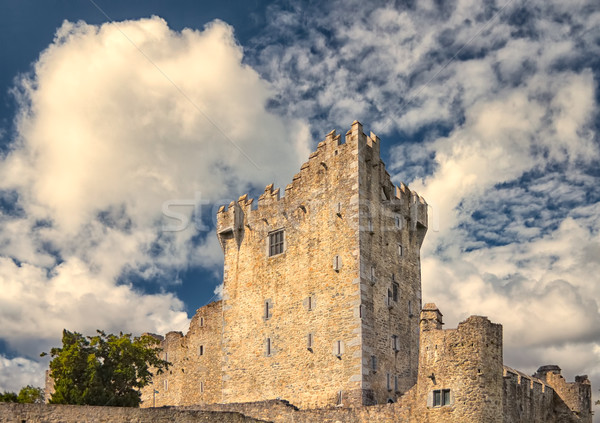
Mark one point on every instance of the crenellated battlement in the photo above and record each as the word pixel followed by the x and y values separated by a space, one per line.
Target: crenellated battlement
pixel 331 161
pixel 576 395
pixel 516 377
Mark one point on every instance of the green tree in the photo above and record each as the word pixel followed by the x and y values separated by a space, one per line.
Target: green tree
pixel 30 395
pixel 103 369
pixel 8 397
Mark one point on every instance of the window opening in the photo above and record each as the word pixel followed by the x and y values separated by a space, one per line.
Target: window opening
pixel 441 397
pixel 337 263
pixel 395 343
pixel 398 221
pixel 338 349
pixel 276 242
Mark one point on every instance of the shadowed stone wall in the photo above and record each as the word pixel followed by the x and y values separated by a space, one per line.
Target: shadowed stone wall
pixel 48 413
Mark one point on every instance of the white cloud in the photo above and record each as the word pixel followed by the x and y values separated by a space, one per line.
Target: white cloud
pixel 114 120
pixel 18 372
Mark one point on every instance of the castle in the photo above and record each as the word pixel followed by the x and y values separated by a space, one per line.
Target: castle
pixel 322 308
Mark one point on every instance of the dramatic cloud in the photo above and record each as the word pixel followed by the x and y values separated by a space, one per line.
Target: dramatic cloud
pixel 496 107
pixel 117 124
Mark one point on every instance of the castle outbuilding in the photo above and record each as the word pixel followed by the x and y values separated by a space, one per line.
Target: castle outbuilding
pixel 322 308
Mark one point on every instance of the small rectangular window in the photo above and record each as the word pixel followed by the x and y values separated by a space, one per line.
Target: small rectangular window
pixel 389 382
pixel 339 348
pixel 396 383
pixel 437 398
pixel 268 310
pixel 395 291
pixel 201 386
pixel 410 310
pixel 395 343
pixel 202 322
pixel 398 221
pixel 372 274
pixel 389 298
pixel 276 242
pixel 201 350
pixel 310 304
pixel 268 346
pixel 309 341
pixel 166 384
pixel 337 263
pixel 373 363
pixel 370 225
pixel 441 397
pixel 445 396
pixel 400 250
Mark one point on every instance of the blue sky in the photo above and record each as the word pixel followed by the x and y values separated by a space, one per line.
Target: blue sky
pixel 112 114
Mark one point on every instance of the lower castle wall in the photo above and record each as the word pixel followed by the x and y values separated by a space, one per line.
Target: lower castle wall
pixel 49 413
pixel 526 399
pixel 576 396
pixel 277 411
pixel 195 374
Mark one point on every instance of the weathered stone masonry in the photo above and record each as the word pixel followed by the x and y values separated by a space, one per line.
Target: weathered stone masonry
pixel 195 377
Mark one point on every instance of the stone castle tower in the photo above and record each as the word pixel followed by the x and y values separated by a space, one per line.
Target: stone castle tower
pixel 322 308
pixel 322 288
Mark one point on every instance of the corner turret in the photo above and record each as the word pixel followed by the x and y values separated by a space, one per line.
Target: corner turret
pixel 431 318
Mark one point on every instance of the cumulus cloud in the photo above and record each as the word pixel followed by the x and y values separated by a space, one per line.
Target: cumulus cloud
pixel 114 122
pixel 496 109
pixel 18 372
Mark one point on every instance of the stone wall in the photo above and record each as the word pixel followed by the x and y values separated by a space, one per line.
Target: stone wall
pixel 526 398
pixel 195 374
pixel 462 367
pixel 46 413
pixel 393 223
pixel 48 386
pixel 282 412
pixel 575 395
